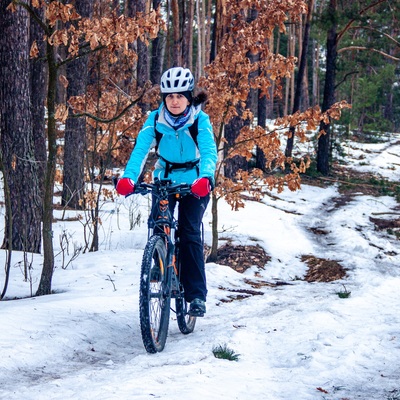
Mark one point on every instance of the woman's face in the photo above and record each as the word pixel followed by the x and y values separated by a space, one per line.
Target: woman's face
pixel 176 103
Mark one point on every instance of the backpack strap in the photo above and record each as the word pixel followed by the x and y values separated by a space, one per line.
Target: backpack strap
pixel 194 130
pixel 158 134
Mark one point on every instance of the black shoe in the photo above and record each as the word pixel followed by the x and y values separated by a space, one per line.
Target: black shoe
pixel 197 308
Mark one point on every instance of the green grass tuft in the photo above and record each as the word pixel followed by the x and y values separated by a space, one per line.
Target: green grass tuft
pixel 224 352
pixel 343 294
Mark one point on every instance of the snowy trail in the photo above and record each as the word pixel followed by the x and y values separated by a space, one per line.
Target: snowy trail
pixel 293 341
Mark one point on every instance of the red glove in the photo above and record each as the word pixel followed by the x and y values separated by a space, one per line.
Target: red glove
pixel 125 186
pixel 201 187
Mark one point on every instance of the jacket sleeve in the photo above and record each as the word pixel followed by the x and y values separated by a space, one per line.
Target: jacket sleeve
pixel 146 139
pixel 206 146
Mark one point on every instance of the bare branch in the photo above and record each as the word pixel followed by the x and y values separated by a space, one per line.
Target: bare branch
pixel 133 102
pixel 345 78
pixel 109 120
pixel 351 48
pixel 82 54
pixel 119 89
pixel 391 38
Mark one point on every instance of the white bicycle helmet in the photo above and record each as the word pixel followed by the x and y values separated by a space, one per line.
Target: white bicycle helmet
pixel 176 80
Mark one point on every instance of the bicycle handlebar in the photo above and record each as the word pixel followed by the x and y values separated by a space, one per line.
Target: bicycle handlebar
pixel 161 188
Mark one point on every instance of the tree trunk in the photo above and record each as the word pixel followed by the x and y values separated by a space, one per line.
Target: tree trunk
pixel 200 27
pixel 75 141
pixel 315 77
pixel 7 202
pixel 38 90
pixel 208 33
pixel 323 151
pixel 232 130
pixel 300 77
pixel 176 51
pixel 157 52
pixel 261 118
pixel 75 128
pixel 252 99
pixel 264 111
pixel 143 72
pixel 48 250
pixel 187 44
pixel 203 38
pixel 16 129
pixel 271 90
pixel 219 29
pixel 289 89
pixel 214 229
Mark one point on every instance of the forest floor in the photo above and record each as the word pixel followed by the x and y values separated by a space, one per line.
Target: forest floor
pixel 351 183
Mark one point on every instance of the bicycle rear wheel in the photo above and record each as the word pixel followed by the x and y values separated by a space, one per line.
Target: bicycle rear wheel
pixel 155 295
pixel 186 322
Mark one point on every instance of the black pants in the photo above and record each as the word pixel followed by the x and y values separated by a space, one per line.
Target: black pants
pixel 190 215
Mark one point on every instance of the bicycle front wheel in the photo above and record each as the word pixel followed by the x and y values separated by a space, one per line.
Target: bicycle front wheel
pixel 155 295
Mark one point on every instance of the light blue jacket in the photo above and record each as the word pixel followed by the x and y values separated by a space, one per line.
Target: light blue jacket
pixel 176 146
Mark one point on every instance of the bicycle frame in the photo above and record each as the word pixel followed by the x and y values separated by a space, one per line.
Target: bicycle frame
pixel 161 220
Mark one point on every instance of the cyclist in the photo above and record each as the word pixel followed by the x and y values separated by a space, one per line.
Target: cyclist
pixel 187 153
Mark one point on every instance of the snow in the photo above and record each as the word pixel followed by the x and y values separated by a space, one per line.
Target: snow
pixel 295 341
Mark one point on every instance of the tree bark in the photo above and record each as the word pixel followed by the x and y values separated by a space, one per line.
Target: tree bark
pixel 187 44
pixel 38 89
pixel 75 141
pixel 47 229
pixel 232 165
pixel 16 129
pixel 214 245
pixel 232 129
pixel 300 77
pixel 203 38
pixel 200 24
pixel 315 77
pixel 219 29
pixel 157 53
pixel 176 51
pixel 261 118
pixel 323 151
pixel 143 72
pixel 7 202
pixel 75 128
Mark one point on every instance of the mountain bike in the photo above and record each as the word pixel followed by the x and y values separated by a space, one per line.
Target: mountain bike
pixel 160 270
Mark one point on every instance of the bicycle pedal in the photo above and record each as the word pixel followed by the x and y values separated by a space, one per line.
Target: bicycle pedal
pixel 196 313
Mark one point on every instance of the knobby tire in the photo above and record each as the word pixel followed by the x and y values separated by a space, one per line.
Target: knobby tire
pixel 155 296
pixel 186 323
